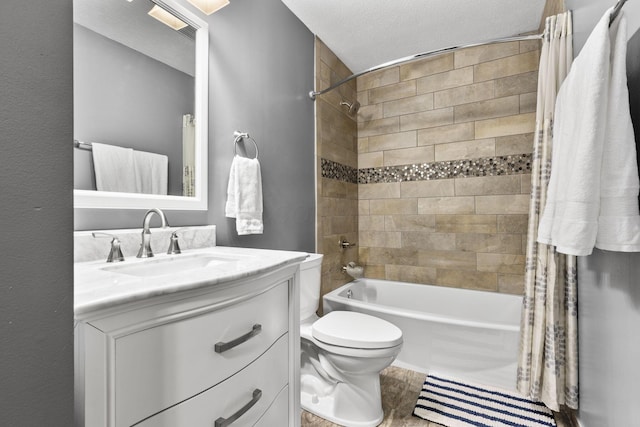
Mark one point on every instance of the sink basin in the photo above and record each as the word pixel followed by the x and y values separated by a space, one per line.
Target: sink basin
pixel 171 265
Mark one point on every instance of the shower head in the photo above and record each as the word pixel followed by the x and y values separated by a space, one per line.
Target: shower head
pixel 353 107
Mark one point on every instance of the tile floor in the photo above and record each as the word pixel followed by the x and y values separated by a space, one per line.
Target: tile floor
pixel 400 390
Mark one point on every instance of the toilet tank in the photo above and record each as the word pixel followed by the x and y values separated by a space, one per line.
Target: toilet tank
pixel 310 278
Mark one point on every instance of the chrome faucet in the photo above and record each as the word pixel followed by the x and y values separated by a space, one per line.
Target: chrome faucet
pixel 145 247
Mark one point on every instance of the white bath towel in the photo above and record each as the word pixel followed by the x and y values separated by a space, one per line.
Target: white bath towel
pixel 152 172
pixel 114 168
pixel 244 195
pixel 593 188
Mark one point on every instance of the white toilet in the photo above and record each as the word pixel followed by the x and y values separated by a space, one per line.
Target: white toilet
pixel 342 355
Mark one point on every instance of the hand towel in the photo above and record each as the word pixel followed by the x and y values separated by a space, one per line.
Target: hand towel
pixel 244 195
pixel 152 172
pixel 114 168
pixel 589 201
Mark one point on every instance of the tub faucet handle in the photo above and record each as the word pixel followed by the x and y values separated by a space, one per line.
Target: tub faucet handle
pixel 344 244
pixel 115 254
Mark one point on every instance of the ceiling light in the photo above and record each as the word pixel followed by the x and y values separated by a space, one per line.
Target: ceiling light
pixel 209 6
pixel 166 18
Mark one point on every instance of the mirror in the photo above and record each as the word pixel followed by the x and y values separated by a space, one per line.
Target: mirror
pixel 140 105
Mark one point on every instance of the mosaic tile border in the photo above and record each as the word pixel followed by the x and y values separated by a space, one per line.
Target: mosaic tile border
pixel 334 170
pixel 488 166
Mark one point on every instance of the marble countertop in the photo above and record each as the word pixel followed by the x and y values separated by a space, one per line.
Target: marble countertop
pixel 97 288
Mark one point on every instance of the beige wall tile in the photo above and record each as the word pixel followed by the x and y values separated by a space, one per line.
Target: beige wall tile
pixel 465 150
pixel 363 97
pixel 410 223
pixel 466 224
pixel 511 65
pixel 391 92
pixel 371 222
pixel 426 119
pixel 334 188
pixel 447 80
pixel 507 204
pixel 503 126
pixel 403 256
pixel 488 185
pixel 363 207
pixel 494 243
pixel 378 127
pixel 511 284
pixel 381 239
pixel 426 67
pixel 376 79
pixel 517 84
pixel 429 241
pixel 484 53
pixel 410 274
pixel 340 225
pixel 525 183
pixel 374 272
pixel 529 45
pixel 410 105
pixel 394 207
pixel 467 279
pixel 382 190
pixel 501 263
pixel 435 188
pixel 514 144
pixel 370 112
pixel 393 141
pixel 491 108
pixel 450 133
pixel 452 260
pixel 446 205
pixel 406 156
pixel 370 160
pixel 330 206
pixel 363 145
pixel 464 94
pixel 513 223
pixel 528 102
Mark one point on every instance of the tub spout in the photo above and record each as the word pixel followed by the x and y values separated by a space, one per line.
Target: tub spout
pixel 353 270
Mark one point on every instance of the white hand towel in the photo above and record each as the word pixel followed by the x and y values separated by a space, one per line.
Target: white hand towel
pixel 593 177
pixel 114 168
pixel 152 172
pixel 244 195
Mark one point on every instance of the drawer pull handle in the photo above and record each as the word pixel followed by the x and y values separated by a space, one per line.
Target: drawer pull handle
pixel 221 346
pixel 224 422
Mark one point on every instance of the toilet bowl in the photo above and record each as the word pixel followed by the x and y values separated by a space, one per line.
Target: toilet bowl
pixel 342 354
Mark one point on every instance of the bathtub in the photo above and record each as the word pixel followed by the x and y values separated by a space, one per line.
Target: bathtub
pixel 467 334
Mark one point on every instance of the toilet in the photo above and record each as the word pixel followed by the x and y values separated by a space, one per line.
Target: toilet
pixel 342 354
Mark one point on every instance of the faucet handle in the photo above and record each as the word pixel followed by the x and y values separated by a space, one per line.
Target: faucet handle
pixel 174 247
pixel 115 254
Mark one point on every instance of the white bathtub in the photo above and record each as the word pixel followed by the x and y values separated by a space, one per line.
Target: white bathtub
pixel 467 334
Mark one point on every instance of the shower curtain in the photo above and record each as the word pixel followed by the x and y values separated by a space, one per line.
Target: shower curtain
pixel 188 155
pixel 548 359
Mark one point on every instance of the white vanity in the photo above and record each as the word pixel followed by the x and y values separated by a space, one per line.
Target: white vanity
pixel 208 337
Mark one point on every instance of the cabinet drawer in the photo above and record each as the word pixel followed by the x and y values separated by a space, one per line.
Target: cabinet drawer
pixel 278 412
pixel 167 364
pixel 268 374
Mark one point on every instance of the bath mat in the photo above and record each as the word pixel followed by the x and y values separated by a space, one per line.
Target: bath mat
pixel 454 403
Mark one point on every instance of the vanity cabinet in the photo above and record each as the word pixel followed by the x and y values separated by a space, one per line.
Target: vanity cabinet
pixel 213 356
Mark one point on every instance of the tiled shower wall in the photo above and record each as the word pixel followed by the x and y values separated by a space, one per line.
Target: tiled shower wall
pixel 444 149
pixel 337 163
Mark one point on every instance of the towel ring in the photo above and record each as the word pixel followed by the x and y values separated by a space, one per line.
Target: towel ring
pixel 239 136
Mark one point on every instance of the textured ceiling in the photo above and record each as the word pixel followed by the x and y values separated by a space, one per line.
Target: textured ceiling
pixel 366 33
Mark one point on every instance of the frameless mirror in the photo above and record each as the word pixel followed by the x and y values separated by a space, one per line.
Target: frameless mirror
pixel 140 105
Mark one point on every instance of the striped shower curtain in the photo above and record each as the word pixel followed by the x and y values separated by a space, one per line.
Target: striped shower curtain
pixel 548 359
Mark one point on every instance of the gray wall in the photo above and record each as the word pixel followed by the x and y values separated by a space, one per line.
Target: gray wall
pixel 609 282
pixel 261 69
pixel 36 275
pixel 125 98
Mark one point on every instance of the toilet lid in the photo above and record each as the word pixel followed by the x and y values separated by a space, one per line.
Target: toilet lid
pixel 356 330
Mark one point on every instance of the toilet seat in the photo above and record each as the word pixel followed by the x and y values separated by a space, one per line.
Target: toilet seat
pixel 356 331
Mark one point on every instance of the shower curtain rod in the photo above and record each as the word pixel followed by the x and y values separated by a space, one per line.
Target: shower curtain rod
pixel 313 93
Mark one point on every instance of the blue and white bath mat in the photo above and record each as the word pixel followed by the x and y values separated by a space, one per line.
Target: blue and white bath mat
pixel 454 403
